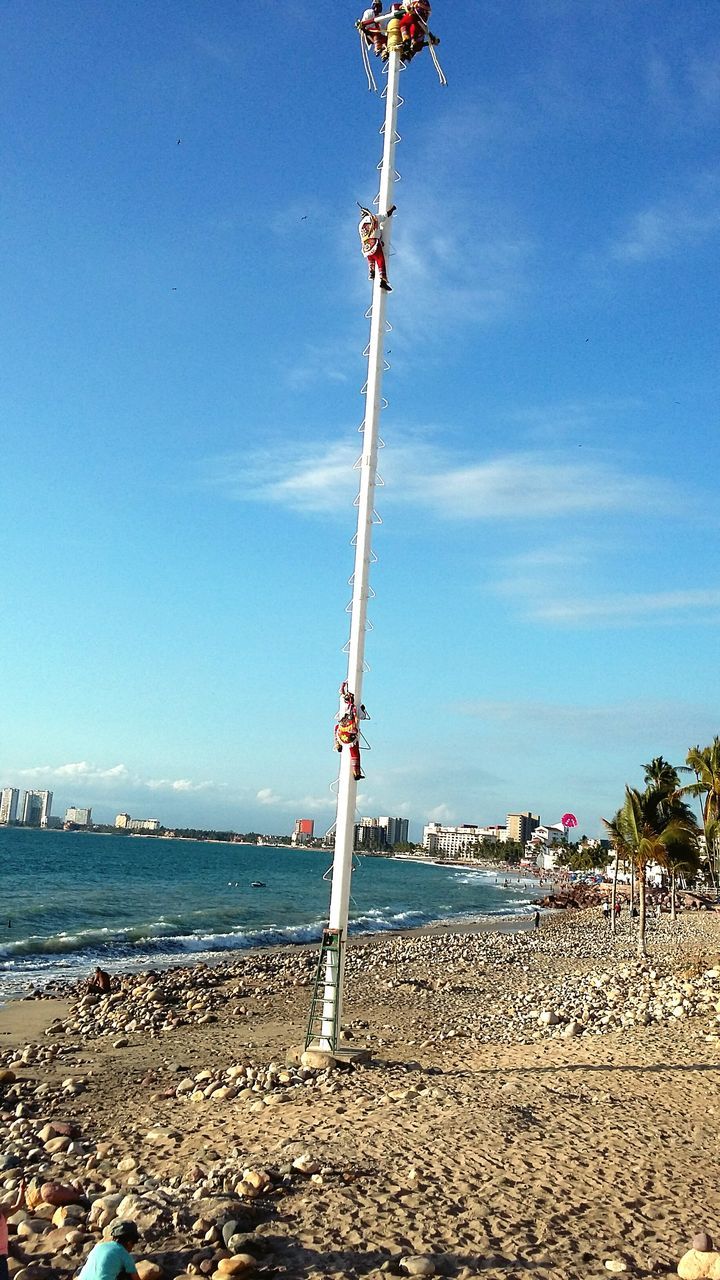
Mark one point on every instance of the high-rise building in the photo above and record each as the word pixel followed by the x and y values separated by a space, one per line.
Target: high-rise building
pixel 124 822
pixel 520 826
pixel 303 831
pixel 36 808
pixel 369 834
pixel 78 817
pixel 396 830
pixel 9 797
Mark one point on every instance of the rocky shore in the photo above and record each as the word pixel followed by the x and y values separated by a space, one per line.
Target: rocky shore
pixel 534 1103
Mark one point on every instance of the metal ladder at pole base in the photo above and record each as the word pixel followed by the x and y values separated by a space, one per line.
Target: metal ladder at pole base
pixel 330 958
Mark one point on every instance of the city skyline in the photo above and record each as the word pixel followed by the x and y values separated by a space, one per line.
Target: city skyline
pixel 183 360
pixel 397 829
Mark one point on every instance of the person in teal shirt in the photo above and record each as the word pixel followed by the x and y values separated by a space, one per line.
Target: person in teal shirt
pixel 111 1259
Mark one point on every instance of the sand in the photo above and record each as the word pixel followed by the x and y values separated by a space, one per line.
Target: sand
pixel 471 1139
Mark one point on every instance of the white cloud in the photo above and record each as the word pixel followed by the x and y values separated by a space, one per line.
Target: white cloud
pixel 549 584
pixel 693 605
pixel 93 775
pixel 266 796
pixel 440 813
pixel 606 724
pixel 294 804
pixel 534 485
pixel 179 784
pixel 529 485
pixel 80 770
pixel 458 265
pixel 683 220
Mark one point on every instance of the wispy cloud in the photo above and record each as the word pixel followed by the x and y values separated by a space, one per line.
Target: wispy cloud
pixel 634 720
pixel 180 785
pixel 79 769
pixel 549 584
pixel 682 221
pixel 266 796
pixel 529 485
pixel 685 93
pixel 440 813
pixel 458 266
pixel 269 798
pixel 92 775
pixel 636 608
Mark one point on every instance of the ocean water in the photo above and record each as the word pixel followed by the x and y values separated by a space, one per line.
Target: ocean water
pixel 71 900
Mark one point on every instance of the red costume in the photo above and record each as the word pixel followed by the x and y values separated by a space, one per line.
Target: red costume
pixel 347 729
pixel 370 232
pixel 414 25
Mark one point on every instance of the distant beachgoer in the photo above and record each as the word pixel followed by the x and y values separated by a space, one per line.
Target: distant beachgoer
pixel 7 1207
pixel 111 1259
pixel 606 911
pixel 618 909
pixel 537 920
pixel 634 911
pixel 100 982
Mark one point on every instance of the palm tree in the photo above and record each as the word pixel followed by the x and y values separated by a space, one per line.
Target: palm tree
pixel 661 775
pixel 652 826
pixel 621 851
pixel 679 859
pixel 704 762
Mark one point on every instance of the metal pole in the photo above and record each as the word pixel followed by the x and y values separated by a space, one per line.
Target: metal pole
pixel 347 787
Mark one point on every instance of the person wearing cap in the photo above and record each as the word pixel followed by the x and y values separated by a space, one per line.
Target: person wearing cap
pixel 111 1259
pixel 371 28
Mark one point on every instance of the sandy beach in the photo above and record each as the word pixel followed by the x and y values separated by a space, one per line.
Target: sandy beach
pixel 537 1103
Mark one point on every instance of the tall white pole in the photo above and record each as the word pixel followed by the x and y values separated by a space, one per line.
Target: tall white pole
pixel 347 787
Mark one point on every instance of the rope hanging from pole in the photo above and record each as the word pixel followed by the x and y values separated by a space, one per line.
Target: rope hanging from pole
pixel 366 64
pixel 431 41
pixel 441 74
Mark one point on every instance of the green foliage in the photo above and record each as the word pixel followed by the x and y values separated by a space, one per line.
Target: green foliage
pixel 582 859
pixel 655 825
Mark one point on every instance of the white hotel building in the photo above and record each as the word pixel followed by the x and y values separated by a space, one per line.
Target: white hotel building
pixel 454 842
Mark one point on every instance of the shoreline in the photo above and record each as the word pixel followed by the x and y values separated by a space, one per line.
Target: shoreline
pixel 517 1083
pixel 503 924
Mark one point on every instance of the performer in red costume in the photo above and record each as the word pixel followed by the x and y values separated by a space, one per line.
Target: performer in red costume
pixel 370 230
pixel 347 728
pixel 413 27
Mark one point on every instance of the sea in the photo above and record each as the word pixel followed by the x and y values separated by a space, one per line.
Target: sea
pixel 73 900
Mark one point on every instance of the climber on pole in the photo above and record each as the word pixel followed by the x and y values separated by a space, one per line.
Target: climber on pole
pixel 370 229
pixel 371 28
pixel 347 729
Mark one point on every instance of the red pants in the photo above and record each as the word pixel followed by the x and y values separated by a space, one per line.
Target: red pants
pixel 377 260
pixel 375 36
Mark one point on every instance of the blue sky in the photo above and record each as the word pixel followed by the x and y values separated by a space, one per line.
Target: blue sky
pixel 182 324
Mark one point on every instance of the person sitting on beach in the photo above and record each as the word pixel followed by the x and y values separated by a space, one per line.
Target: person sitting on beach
pixel 111 1259
pixel 7 1207
pixel 100 982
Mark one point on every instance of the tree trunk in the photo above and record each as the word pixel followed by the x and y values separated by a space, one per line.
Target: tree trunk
pixel 673 902
pixel 613 892
pixel 642 912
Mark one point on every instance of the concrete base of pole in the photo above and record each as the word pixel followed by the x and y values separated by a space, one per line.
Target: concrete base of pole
pixel 321 1060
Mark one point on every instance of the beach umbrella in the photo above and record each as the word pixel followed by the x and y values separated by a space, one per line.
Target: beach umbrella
pixel 569 820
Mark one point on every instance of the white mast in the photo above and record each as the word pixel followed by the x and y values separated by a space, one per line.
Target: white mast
pixel 347 787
